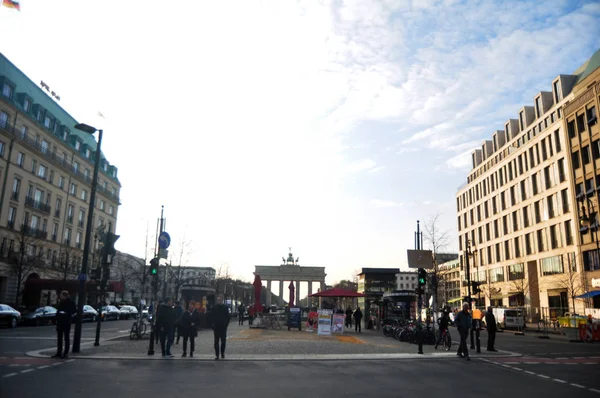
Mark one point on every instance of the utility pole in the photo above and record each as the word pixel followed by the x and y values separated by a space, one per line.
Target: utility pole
pixel 418 246
pixel 155 277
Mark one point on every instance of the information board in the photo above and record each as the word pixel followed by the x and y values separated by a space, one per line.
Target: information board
pixel 294 318
pixel 324 322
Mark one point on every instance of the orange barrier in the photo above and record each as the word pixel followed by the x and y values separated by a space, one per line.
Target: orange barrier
pixel 589 332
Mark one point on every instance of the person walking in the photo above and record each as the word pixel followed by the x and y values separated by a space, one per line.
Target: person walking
pixel 220 321
pixel 241 312
pixel 349 317
pixel 492 327
pixel 165 324
pixel 64 317
pixel 178 314
pixel 190 320
pixel 463 323
pixel 444 321
pixel 357 318
pixel 250 315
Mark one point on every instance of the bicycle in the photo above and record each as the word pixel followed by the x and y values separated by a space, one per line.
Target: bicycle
pixel 138 329
pixel 446 340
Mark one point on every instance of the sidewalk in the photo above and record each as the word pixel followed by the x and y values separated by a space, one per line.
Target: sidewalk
pixel 246 344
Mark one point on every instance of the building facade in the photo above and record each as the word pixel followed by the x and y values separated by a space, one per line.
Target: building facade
pixel 406 280
pixel 449 286
pixel 46 168
pixel 517 213
pixel 583 143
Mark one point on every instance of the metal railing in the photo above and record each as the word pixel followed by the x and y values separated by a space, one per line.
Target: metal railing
pixel 36 204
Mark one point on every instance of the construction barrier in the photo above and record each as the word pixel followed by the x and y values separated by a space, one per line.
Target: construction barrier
pixel 589 332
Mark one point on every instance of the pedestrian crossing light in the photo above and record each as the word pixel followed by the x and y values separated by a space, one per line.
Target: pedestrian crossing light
pixel 154 267
pixel 422 277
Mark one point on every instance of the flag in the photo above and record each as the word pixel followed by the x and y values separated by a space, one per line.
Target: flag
pixel 12 4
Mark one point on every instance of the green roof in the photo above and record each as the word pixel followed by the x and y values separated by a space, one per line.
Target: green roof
pixel 588 67
pixel 26 86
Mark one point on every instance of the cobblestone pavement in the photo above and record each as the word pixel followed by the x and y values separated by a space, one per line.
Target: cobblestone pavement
pixel 255 343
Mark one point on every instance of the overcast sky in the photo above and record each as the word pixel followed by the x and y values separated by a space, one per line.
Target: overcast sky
pixel 327 126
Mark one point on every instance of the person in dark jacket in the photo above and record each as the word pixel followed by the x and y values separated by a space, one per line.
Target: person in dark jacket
pixel 444 321
pixel 349 317
pixel 357 318
pixel 64 317
pixel 178 314
pixel 165 324
pixel 463 323
pixel 219 323
pixel 190 320
pixel 490 324
pixel 241 313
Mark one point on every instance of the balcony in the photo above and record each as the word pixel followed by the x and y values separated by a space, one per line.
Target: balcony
pixel 14 196
pixel 57 213
pixel 34 232
pixel 36 204
pixel 70 219
pixel 11 224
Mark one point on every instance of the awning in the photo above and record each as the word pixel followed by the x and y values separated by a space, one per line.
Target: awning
pixel 593 293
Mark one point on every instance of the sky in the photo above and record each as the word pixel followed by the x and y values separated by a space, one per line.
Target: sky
pixel 329 127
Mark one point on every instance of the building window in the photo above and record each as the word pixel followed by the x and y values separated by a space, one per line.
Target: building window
pixel 550 202
pixel 541 240
pixel 70 211
pixel 537 212
pixel 61 182
pixel 571 128
pixel 534 184
pixel 568 233
pixel 42 171
pixel 515 220
pixel 525 217
pixel 552 265
pixel 44 146
pixel 561 170
pixel 84 195
pixel 111 211
pixel 516 272
pixel 67 239
pixel 497 275
pixel 73 189
pixel 591 116
pixel 47 121
pixel 12 216
pixel 564 196
pixel 77 145
pixel 528 244
pixel 580 123
pixel 591 260
pixel 103 206
pixel 3 120
pixel 20 159
pixel 585 154
pixel 81 217
pixel 555 238
pixel 517 247
pixel 75 167
pixel 7 90
pixel 575 160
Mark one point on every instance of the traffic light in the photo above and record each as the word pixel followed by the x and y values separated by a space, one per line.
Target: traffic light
pixel 422 277
pixel 475 287
pixel 154 267
pixel 96 274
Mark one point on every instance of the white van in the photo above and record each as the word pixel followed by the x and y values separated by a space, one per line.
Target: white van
pixel 509 318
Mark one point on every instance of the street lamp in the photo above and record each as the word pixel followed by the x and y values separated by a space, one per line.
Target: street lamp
pixel 88 235
pixel 469 251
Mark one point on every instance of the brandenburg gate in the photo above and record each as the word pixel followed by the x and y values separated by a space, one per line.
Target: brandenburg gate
pixel 290 270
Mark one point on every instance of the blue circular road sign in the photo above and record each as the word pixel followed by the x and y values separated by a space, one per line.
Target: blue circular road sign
pixel 164 240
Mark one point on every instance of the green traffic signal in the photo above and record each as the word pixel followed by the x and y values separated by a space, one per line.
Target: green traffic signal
pixel 422 277
pixel 153 271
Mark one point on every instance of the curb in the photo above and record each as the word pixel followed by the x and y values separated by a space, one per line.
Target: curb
pixel 88 344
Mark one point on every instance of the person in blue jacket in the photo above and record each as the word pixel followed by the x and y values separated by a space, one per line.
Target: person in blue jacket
pixel 463 323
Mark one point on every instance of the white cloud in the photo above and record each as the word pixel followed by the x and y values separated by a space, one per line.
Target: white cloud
pixel 384 203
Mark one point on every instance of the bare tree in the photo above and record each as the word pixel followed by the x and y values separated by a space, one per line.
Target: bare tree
pixel 570 279
pixel 177 276
pixel 222 278
pixel 62 265
pixel 28 257
pixel 438 240
pixel 347 285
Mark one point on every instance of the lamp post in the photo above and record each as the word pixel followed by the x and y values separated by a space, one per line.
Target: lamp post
pixel 469 253
pixel 88 236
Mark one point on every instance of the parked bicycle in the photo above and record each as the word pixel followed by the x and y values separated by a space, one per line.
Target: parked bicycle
pixel 138 329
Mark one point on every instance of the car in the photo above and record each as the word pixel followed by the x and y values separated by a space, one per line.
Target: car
pixel 9 316
pixel 110 312
pixel 41 316
pixel 128 311
pixel 89 313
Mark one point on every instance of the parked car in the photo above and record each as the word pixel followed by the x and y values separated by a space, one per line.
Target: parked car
pixel 9 316
pixel 509 318
pixel 89 313
pixel 41 316
pixel 110 312
pixel 128 311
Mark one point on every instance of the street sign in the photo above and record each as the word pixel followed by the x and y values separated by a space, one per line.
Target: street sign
pixel 164 240
pixel 82 277
pixel 163 253
pixel 420 259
